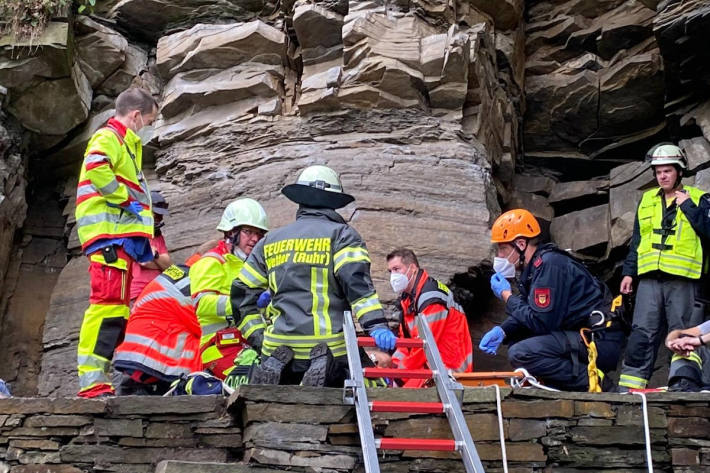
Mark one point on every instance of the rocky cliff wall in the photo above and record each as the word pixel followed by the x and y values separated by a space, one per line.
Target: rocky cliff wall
pixel 417 106
pixel 604 81
pixel 437 114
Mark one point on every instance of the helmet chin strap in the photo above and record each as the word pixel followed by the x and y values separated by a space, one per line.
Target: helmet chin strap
pixel 521 254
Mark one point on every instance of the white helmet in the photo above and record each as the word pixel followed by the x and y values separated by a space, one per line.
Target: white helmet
pixel 318 186
pixel 243 212
pixel 667 153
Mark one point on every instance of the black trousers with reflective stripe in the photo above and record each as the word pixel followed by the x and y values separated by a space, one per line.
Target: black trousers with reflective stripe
pixel 559 359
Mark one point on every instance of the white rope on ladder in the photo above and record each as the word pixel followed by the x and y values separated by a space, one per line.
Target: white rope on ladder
pixel 646 431
pixel 500 429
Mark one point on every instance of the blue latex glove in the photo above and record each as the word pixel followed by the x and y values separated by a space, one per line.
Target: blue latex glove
pixel 384 338
pixel 499 284
pixel 134 208
pixel 492 340
pixel 263 300
pixel 4 390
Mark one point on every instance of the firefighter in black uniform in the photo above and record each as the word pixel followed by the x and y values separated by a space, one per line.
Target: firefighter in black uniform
pixel 316 268
pixel 558 297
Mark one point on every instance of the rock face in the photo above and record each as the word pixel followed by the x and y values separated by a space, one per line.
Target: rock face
pixel 410 111
pixel 594 76
pixel 604 82
pixel 47 91
pixel 437 115
pixel 13 183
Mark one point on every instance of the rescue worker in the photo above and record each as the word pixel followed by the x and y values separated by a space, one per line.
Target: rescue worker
pixel 162 341
pixel 244 223
pixel 666 257
pixel 420 294
pixel 115 223
pixel 143 273
pixel 316 269
pixel 557 298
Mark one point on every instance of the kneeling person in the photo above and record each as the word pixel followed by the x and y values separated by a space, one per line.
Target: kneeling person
pixel 162 341
pixel 420 294
pixel 244 223
pixel 557 297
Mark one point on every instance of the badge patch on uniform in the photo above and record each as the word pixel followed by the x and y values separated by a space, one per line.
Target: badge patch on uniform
pixel 537 262
pixel 542 297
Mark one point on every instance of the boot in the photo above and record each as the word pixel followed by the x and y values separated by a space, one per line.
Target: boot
pixel 321 361
pixel 269 371
pixel 681 384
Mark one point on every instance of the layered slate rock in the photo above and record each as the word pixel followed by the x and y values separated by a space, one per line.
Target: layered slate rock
pixel 681 29
pixel 47 91
pixel 371 150
pixel 319 33
pixel 150 19
pixel 603 85
pixel 217 73
pixel 383 99
pixel 594 77
pixel 100 50
pixel 130 434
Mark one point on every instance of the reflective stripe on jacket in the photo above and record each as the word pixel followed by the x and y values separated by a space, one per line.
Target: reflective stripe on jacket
pixel 211 279
pixel 675 248
pixel 315 268
pixel 110 179
pixel 162 336
pixel 447 321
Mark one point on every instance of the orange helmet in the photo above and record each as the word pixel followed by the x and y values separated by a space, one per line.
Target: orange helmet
pixel 514 224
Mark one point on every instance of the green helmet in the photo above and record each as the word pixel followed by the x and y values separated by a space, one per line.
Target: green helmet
pixel 318 186
pixel 243 212
pixel 667 153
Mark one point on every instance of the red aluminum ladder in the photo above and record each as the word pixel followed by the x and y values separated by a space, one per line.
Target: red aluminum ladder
pixel 447 388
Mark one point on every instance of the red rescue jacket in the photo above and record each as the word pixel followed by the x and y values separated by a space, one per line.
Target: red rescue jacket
pixel 447 321
pixel 162 335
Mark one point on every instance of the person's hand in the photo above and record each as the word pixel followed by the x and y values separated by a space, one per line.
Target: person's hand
pixel 680 197
pixel 626 286
pixel 384 338
pixel 134 207
pixel 492 340
pixel 499 284
pixel 682 343
pixel 264 300
pixel 684 346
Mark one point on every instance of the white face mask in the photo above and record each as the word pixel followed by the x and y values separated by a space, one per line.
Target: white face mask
pixel 504 266
pixel 399 282
pixel 146 134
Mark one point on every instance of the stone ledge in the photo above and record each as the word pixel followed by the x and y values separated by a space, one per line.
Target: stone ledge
pixel 277 428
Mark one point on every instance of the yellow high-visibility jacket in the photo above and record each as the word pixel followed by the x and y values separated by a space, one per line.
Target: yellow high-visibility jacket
pixel 109 180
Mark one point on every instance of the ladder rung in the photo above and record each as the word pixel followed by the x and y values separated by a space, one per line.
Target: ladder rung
pixel 396 373
pixel 415 444
pixel 401 342
pixel 407 406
